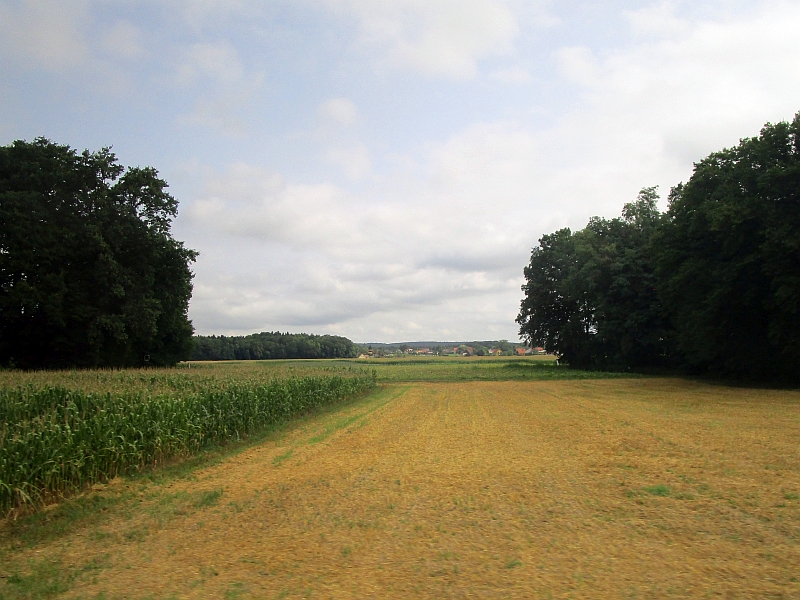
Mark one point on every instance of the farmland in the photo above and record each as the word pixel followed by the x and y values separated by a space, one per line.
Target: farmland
pixel 62 431
pixel 487 480
pixel 440 368
pixel 66 429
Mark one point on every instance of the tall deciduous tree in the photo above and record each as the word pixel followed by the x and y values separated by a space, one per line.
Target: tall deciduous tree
pixel 712 286
pixel 549 313
pixel 590 296
pixel 729 258
pixel 89 272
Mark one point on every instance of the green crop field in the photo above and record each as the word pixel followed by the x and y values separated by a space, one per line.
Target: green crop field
pixel 64 430
pixel 434 368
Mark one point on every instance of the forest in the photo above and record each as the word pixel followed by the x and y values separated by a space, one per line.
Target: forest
pixel 270 345
pixel 90 275
pixel 709 287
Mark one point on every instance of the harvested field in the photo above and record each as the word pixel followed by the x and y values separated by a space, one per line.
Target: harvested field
pixel 642 488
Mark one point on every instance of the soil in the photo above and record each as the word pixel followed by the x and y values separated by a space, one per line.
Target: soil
pixel 640 488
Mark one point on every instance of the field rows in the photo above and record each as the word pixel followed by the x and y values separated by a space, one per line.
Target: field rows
pixel 645 488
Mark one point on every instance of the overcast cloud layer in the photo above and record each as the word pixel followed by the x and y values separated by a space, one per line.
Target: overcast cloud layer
pixel 381 170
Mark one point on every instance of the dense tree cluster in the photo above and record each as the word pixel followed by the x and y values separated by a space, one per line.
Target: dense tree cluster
pixel 89 272
pixel 267 345
pixel 712 286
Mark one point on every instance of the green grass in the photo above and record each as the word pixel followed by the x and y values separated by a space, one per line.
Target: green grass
pixel 331 429
pixel 46 578
pixel 416 369
pixel 196 376
pixel 278 460
pixel 207 499
pixel 443 368
pixel 657 490
pixel 235 590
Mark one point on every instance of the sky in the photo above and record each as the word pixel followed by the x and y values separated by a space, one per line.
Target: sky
pixel 381 169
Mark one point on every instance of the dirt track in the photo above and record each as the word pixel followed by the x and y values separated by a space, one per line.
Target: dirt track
pixel 620 488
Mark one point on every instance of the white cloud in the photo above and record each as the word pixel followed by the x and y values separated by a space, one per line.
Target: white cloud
pixel 447 250
pixel 200 13
pixel 46 33
pixel 326 257
pixel 219 61
pixel 226 87
pixel 513 75
pixel 338 112
pixel 446 37
pixel 428 228
pixel 355 161
pixel 486 162
pixel 336 119
pixel 124 40
pixel 658 20
pixel 579 65
pixel 667 102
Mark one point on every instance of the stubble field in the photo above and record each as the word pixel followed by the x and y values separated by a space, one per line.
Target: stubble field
pixel 642 488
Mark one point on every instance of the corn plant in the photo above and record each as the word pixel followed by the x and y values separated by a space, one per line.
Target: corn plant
pixel 55 439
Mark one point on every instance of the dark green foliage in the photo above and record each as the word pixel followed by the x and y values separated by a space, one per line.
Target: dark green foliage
pixel 54 440
pixel 590 296
pixel 480 350
pixel 712 286
pixel 270 345
pixel 620 286
pixel 729 259
pixel 550 314
pixel 89 273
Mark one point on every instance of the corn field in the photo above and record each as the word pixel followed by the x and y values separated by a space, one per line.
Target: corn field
pixel 56 437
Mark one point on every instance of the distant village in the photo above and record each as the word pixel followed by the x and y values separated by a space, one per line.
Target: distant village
pixel 503 348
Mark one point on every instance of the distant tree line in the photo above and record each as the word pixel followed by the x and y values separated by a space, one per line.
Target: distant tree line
pixel 270 345
pixel 711 286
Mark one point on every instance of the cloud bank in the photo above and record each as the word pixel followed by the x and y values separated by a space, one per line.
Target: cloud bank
pixel 382 170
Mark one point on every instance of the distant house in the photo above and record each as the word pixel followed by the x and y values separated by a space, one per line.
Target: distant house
pixel 523 351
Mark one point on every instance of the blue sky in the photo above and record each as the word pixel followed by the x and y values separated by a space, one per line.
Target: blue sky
pixel 381 170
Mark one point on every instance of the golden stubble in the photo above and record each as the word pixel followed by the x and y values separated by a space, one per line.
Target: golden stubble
pixel 610 488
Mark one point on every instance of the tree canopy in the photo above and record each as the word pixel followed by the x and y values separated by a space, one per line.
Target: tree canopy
pixel 90 274
pixel 728 258
pixel 270 345
pixel 711 286
pixel 590 295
